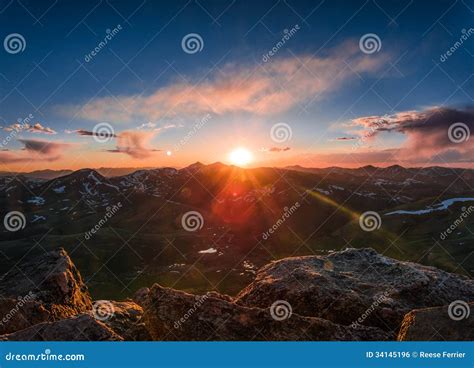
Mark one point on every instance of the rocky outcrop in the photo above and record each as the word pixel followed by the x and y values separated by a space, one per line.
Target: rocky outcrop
pixel 126 320
pixel 355 286
pixel 47 288
pixel 447 323
pixel 175 315
pixel 17 314
pixel 79 328
pixel 352 295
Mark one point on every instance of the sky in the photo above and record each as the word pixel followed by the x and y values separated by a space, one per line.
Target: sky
pixel 310 83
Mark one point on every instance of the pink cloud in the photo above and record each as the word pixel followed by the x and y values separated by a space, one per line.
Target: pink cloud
pixel 35 150
pixel 135 144
pixel 25 127
pixel 427 133
pixel 270 88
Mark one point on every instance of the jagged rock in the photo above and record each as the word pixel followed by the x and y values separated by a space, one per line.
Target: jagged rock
pixel 435 324
pixel 21 313
pixel 217 295
pixel 175 315
pixel 354 286
pixel 50 286
pixel 141 295
pixel 80 328
pixel 126 320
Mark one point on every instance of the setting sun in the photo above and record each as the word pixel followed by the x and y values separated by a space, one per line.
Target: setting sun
pixel 240 156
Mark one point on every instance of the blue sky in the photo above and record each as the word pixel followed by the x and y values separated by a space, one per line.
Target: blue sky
pixel 318 83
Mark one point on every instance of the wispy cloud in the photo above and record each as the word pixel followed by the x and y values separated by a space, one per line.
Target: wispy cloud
pixel 25 127
pixel 135 144
pixel 264 89
pixel 92 134
pixel 345 138
pixel 275 149
pixel 35 150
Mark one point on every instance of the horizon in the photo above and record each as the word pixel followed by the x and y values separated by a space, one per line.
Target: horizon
pixel 288 167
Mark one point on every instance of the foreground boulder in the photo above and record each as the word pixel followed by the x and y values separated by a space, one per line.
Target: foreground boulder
pixel 47 288
pixel 355 287
pixel 80 328
pixel 17 314
pixel 175 315
pixel 437 324
pixel 125 318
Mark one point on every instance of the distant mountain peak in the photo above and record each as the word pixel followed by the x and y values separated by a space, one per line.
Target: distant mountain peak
pixel 195 167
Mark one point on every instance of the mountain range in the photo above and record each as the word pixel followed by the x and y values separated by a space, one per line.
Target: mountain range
pixel 128 231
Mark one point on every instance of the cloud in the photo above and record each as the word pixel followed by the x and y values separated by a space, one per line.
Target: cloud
pixel 426 132
pixel 271 88
pixel 25 127
pixel 35 150
pixel 274 149
pixel 153 127
pixel 43 147
pixel 134 144
pixel 90 133
pixel 345 138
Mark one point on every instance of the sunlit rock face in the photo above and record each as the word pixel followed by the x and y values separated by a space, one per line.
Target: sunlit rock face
pixel 355 286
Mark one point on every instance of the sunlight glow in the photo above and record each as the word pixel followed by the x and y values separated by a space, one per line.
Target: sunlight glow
pixel 240 156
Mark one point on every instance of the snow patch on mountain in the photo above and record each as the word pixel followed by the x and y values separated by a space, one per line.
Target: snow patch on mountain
pixel 439 207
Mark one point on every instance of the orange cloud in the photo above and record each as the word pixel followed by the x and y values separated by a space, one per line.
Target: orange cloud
pixel 270 88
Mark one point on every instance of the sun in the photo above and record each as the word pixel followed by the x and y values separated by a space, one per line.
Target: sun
pixel 240 156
